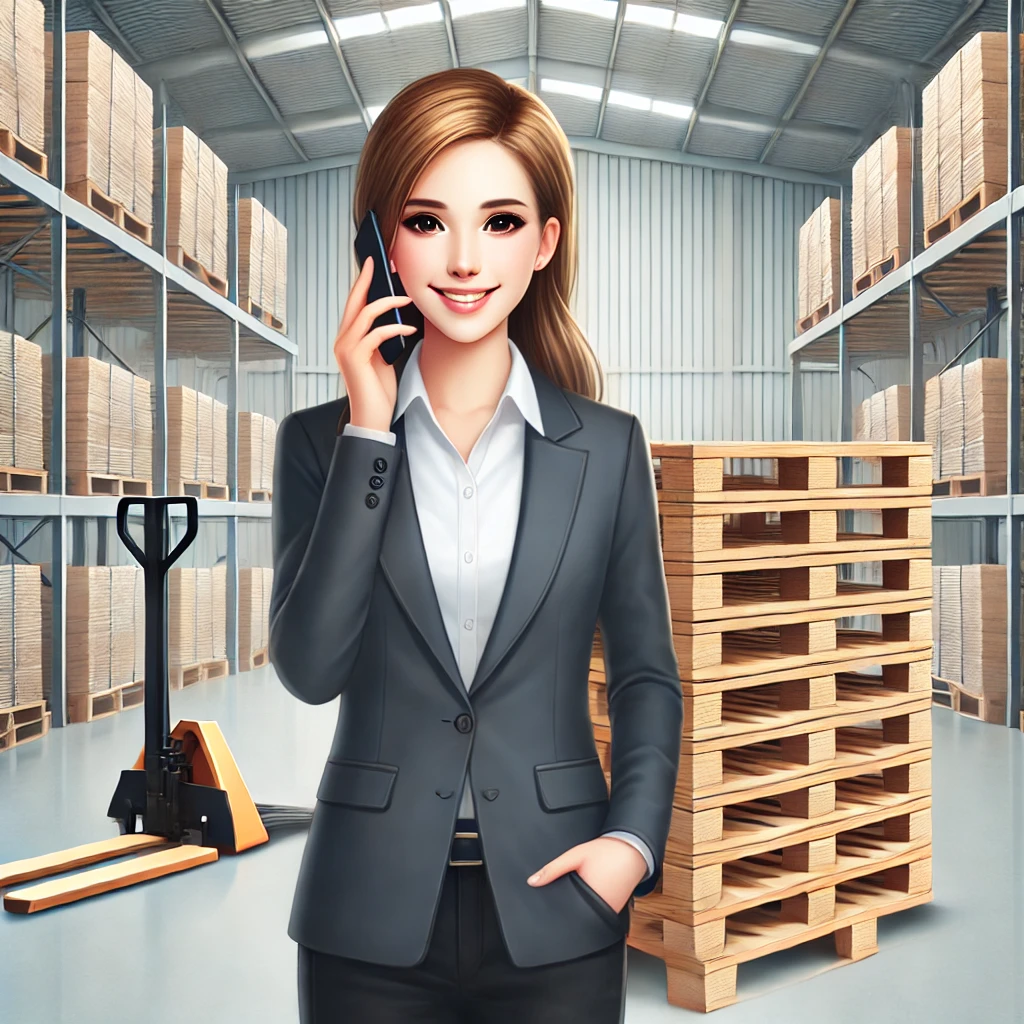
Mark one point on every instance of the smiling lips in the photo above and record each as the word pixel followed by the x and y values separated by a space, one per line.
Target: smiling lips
pixel 464 301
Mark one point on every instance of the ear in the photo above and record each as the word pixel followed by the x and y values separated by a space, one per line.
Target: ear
pixel 548 243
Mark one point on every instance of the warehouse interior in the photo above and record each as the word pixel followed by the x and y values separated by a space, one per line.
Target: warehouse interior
pixel 799 266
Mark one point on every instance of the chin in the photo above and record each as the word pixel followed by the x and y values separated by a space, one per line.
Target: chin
pixel 461 327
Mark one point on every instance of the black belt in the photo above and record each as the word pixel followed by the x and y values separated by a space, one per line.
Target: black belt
pixel 466 850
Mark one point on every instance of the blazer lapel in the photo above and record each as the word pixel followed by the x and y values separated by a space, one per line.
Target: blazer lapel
pixel 552 481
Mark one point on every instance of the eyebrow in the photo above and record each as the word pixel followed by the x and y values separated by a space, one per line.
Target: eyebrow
pixel 434 204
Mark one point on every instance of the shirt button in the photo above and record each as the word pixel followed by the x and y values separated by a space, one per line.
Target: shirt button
pixel 469 623
pixel 467 492
pixel 469 556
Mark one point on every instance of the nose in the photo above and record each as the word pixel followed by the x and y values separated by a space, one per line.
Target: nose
pixel 463 259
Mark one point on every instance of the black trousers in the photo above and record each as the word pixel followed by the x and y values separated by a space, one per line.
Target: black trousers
pixel 466 977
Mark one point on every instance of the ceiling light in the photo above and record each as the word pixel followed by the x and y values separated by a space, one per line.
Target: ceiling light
pixel 642 14
pixel 269 44
pixel 693 25
pixel 629 99
pixel 463 8
pixel 418 14
pixel 586 92
pixel 773 42
pixel 374 112
pixel 602 8
pixel 361 25
pixel 680 110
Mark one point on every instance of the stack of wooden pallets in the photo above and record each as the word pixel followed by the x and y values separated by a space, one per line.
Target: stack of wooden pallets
pixel 21 415
pixel 23 83
pixel 109 126
pixel 804 790
pixel 257 440
pixel 820 290
pixel 963 138
pixel 197 606
pixel 262 263
pixel 880 208
pixel 197 207
pixel 197 444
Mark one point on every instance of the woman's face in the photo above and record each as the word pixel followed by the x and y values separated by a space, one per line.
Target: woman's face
pixel 470 239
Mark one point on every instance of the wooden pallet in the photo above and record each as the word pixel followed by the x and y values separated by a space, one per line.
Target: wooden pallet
pixel 180 676
pixel 257 659
pixel 817 316
pixel 699 595
pixel 14 479
pixel 788 471
pixel 215 668
pixel 985 708
pixel 28 156
pixel 108 484
pixel 981 197
pixel 90 194
pixel 88 707
pixel 263 315
pixel 198 489
pixel 178 256
pixel 23 723
pixel 254 494
pixel 976 483
pixel 875 274
pixel 752 934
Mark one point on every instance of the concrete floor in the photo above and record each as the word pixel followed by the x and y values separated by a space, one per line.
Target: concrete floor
pixel 211 944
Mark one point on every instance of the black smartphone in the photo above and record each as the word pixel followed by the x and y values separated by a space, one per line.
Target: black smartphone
pixel 370 242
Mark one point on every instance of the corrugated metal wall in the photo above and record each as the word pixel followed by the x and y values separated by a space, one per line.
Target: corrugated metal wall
pixel 686 291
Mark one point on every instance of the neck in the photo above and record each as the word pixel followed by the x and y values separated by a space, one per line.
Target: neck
pixel 465 377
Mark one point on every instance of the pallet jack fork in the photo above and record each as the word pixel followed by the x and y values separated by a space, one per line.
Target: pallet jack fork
pixel 184 801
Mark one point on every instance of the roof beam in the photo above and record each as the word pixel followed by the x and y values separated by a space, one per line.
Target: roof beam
pixel 450 30
pixel 620 14
pixel 335 41
pixel 837 27
pixel 250 73
pixel 723 38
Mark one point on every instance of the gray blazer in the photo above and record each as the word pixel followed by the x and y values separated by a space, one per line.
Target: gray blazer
pixel 353 612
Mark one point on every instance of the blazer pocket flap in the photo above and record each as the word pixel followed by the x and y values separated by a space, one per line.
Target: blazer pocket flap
pixel 571 783
pixel 357 784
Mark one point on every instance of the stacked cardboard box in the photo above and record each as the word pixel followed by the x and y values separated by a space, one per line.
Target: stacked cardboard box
pixel 21 656
pixel 219 604
pixel 109 126
pixel 254 587
pixel 22 74
pixel 257 439
pixel 21 403
pixel 880 202
pixel 197 438
pixel 197 201
pixel 963 140
pixel 819 280
pixel 191 616
pixel 262 258
pixel 885 416
pixel 802 805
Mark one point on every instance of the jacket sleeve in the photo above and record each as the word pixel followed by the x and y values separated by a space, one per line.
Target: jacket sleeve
pixel 645 701
pixel 327 535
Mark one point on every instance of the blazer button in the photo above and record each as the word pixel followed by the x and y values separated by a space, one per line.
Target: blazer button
pixel 490 794
pixel 376 482
pixel 379 465
pixel 372 501
pixel 464 723
pixel 444 793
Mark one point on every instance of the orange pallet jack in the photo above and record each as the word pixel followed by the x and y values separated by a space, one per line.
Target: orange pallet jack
pixel 184 802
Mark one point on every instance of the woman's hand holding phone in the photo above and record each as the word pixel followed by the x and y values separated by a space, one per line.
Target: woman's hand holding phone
pixel 371 383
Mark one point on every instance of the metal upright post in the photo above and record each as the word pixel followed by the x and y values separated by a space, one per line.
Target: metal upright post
pixel 916 341
pixel 231 618
pixel 58 354
pixel 796 399
pixel 1013 363
pixel 160 307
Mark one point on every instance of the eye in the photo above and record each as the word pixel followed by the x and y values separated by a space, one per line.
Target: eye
pixel 505 223
pixel 422 223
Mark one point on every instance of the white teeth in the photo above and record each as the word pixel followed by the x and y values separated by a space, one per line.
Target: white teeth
pixel 460 297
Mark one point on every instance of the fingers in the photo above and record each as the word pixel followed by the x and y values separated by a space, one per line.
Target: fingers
pixel 568 861
pixel 366 316
pixel 371 342
pixel 357 296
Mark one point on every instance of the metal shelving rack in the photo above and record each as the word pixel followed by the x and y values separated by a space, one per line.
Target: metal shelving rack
pixel 976 266
pixel 168 288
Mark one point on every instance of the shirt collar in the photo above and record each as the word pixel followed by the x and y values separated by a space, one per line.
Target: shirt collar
pixel 519 388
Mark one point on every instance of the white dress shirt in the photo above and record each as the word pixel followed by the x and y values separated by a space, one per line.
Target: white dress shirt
pixel 469 561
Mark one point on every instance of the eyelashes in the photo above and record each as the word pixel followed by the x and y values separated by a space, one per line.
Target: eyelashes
pixel 499 224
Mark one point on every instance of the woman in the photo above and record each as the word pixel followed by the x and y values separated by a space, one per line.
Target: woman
pixel 446 538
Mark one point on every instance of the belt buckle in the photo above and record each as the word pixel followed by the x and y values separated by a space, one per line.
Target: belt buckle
pixel 465 863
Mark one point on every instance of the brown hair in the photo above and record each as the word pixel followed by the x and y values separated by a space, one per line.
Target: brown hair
pixel 452 106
